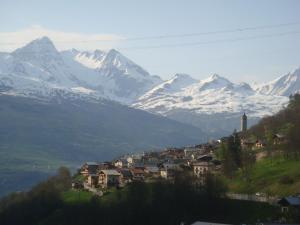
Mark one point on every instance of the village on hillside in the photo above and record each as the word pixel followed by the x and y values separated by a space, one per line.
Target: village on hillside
pixel 199 160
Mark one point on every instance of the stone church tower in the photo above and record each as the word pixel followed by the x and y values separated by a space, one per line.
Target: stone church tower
pixel 244 123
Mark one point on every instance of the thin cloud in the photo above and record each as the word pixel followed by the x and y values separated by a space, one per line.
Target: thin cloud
pixel 10 41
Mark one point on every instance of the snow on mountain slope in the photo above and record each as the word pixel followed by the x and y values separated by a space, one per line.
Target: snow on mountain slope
pixel 284 85
pixel 39 70
pixel 175 84
pixel 91 60
pixel 124 80
pixel 39 67
pixel 210 96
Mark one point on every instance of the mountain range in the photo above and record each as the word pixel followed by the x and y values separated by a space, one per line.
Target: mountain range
pixel 64 107
pixel 40 70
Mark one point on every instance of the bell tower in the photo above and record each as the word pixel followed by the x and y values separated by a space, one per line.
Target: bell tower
pixel 244 123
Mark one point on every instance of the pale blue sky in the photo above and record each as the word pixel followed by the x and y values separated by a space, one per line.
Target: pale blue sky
pixel 260 59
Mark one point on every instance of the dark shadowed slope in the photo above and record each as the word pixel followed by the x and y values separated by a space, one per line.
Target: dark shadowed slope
pixel 38 136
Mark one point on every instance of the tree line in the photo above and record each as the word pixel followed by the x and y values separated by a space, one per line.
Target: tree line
pixel 161 202
pixel 285 123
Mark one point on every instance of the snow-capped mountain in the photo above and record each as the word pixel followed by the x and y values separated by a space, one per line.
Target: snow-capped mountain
pixel 39 69
pixel 124 80
pixel 213 95
pixel 285 85
pixel 214 104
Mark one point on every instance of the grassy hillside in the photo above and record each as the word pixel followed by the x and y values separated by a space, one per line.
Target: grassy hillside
pixel 279 172
pixel 276 177
pixel 36 137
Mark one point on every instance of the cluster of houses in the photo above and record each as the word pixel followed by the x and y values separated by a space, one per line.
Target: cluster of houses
pixel 140 167
pixel 199 160
pixel 278 139
pixel 151 165
pixel 161 164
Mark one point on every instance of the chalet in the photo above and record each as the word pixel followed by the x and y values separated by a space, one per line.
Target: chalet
pixel 126 176
pixel 130 161
pixel 139 165
pixel 152 171
pixel 260 144
pixel 137 156
pixel 168 165
pixel 193 152
pixel 109 178
pixel 138 174
pixel 151 155
pixel 290 202
pixel 172 154
pixel 279 139
pixel 121 163
pixel 118 163
pixel 247 143
pixel 89 168
pixel 167 173
pixel 205 158
pixel 93 180
pixel 150 159
pixel 202 168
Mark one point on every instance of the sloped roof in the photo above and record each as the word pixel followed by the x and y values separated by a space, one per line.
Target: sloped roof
pixel 126 172
pixel 279 136
pixel 152 169
pixel 111 172
pixel 291 200
pixel 137 170
pixel 92 163
pixel 205 158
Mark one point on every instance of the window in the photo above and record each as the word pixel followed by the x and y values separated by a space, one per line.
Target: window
pixel 284 209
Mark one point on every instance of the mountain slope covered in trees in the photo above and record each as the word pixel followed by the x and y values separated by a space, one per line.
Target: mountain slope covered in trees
pixel 37 136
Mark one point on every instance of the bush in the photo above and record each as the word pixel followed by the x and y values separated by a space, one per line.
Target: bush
pixel 286 180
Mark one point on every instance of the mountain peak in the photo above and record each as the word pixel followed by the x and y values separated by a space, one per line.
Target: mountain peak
pixel 39 49
pixel 215 76
pixel 74 51
pixel 182 78
pixel 114 59
pixel 214 82
pixel 285 85
pixel 113 55
pixel 98 53
pixel 113 52
pixel 42 44
pixel 44 40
